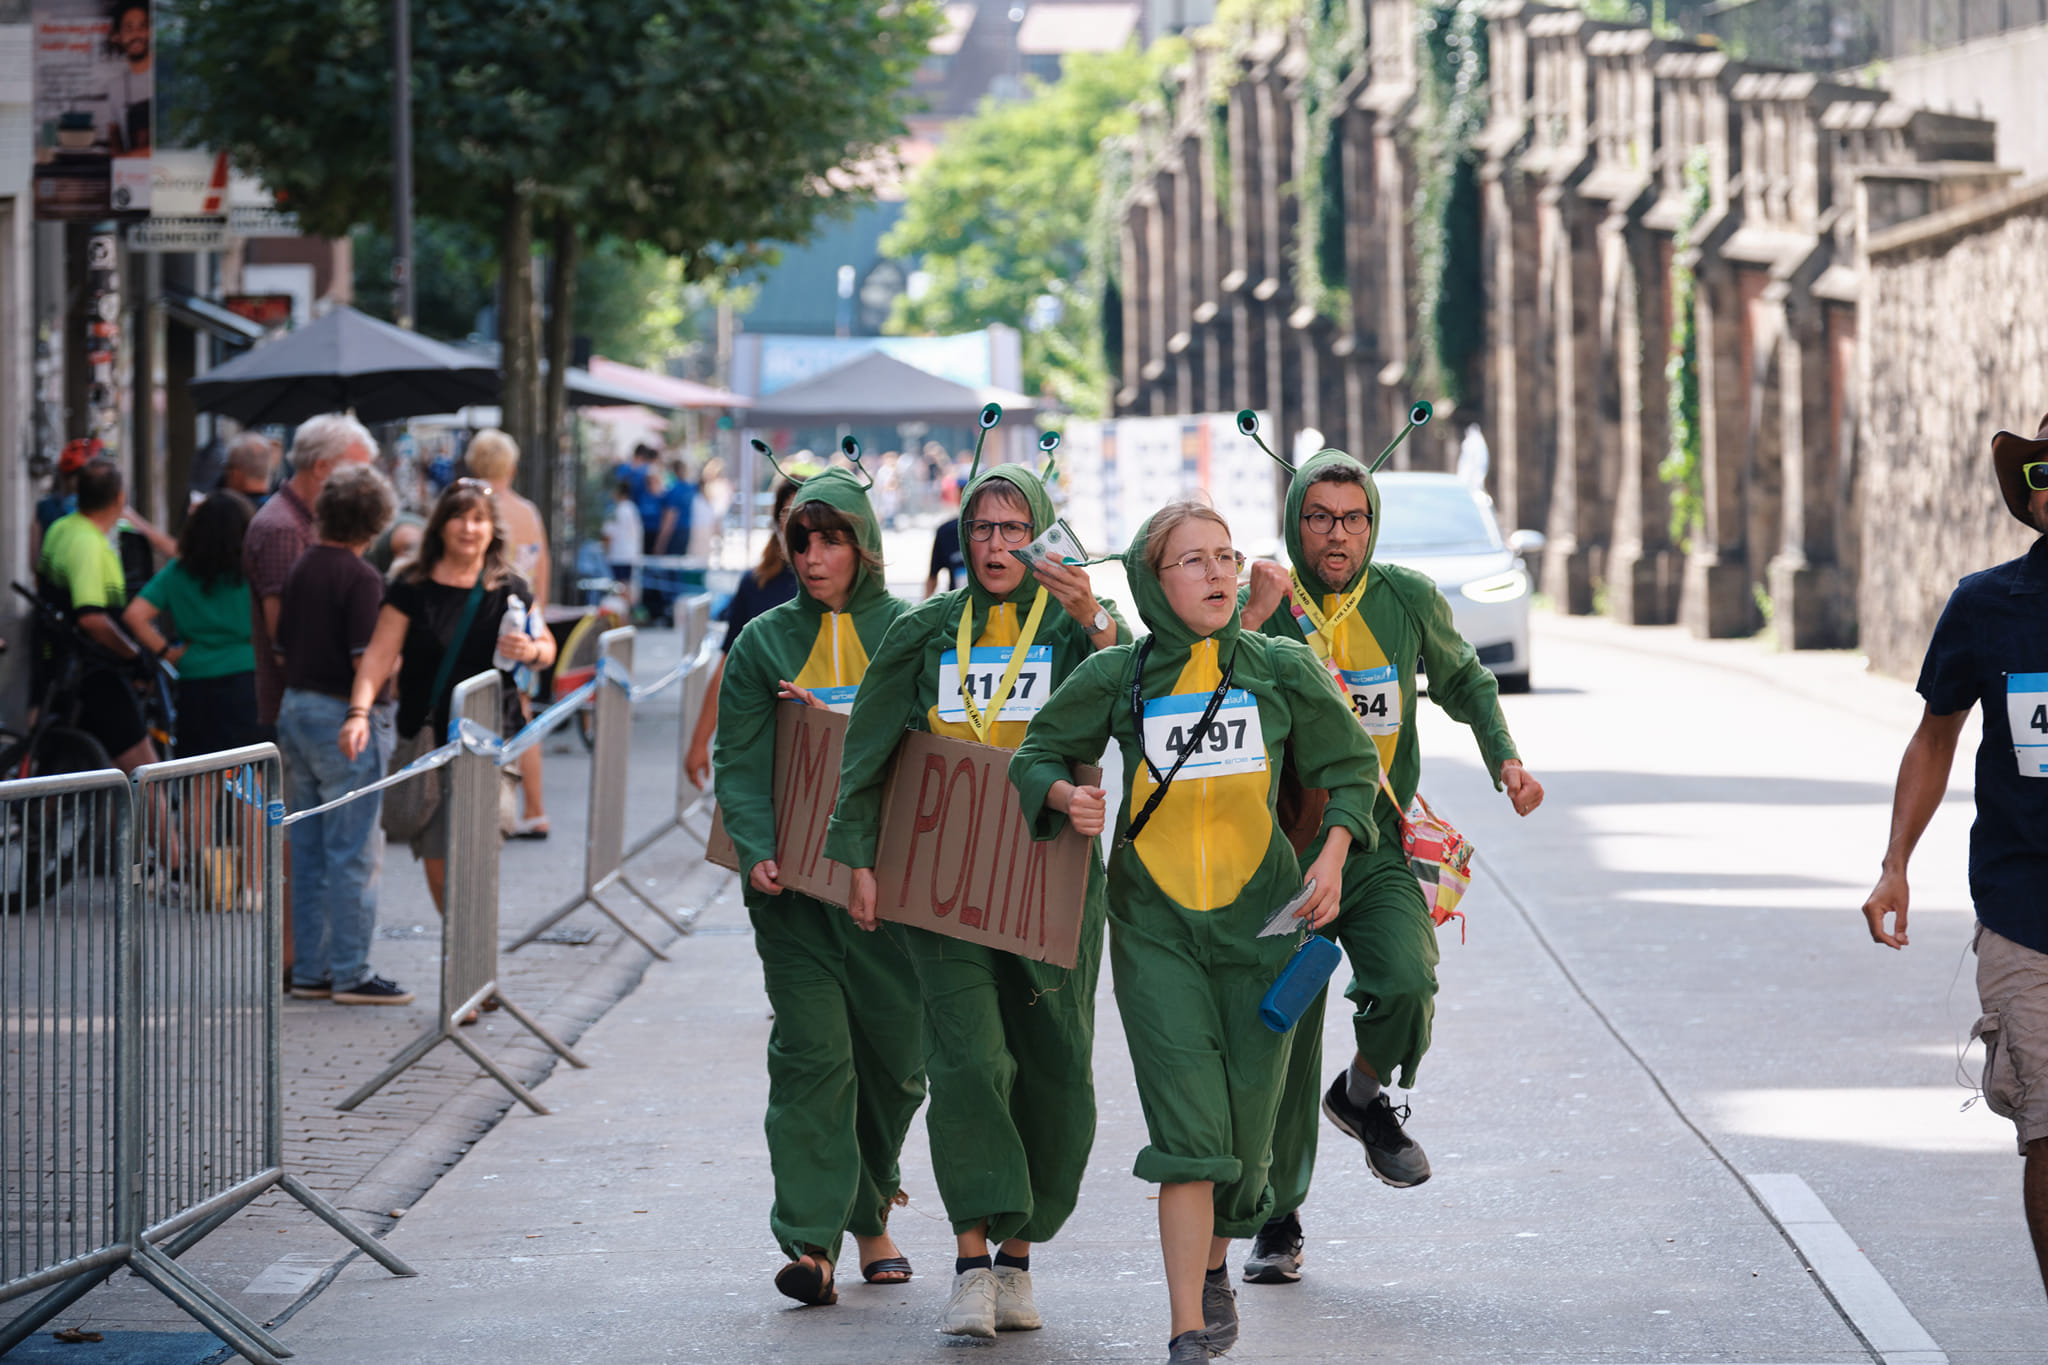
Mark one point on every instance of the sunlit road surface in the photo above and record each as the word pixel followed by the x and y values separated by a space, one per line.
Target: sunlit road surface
pixel 1680 1109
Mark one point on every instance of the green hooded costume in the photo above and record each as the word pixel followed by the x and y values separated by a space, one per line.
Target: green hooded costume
pixel 1384 926
pixel 846 1054
pixel 1010 1041
pixel 1189 895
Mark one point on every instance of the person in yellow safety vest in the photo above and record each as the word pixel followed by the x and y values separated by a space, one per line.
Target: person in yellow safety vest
pixel 846 1054
pixel 1198 872
pixel 1369 624
pixel 1009 1041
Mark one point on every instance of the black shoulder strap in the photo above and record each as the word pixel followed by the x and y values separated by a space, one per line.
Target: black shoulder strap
pixel 447 672
pixel 1138 821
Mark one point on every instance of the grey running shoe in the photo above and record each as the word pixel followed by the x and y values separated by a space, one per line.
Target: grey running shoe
pixel 1219 1314
pixel 1276 1253
pixel 1016 1309
pixel 971 1312
pixel 1190 1348
pixel 1395 1158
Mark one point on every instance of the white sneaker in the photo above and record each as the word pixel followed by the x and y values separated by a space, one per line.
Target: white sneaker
pixel 971 1312
pixel 1016 1310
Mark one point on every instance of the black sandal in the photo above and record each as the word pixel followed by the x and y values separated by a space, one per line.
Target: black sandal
pixel 896 1269
pixel 806 1282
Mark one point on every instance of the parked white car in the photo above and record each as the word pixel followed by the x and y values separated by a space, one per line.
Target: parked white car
pixel 1440 526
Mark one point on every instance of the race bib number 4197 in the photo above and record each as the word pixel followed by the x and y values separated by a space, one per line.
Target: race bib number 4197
pixel 986 665
pixel 2026 710
pixel 1233 743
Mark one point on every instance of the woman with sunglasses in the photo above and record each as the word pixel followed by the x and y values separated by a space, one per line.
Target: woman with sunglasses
pixel 846 1056
pixel 1009 1041
pixel 448 600
pixel 1202 711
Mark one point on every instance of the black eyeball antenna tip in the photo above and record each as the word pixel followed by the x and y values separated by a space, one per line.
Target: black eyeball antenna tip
pixel 1248 422
pixel 1420 413
pixel 1049 442
pixel 991 415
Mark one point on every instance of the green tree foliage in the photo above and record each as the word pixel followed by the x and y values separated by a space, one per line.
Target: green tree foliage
pixel 1001 218
pixel 455 270
pixel 1450 273
pixel 1682 469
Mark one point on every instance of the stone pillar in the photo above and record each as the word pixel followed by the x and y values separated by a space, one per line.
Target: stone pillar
pixel 1716 601
pixel 1812 603
pixel 1573 560
pixel 1643 570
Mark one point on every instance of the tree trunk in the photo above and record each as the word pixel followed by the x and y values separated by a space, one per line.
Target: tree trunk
pixel 519 397
pixel 559 481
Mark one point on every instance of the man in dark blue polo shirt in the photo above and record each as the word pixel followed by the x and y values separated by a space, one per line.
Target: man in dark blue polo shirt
pixel 1991 649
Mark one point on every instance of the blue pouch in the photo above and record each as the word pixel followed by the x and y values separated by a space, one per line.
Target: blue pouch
pixel 1305 974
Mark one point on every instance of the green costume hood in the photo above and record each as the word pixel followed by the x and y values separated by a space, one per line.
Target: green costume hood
pixel 844 494
pixel 1032 488
pixel 1297 494
pixel 1173 639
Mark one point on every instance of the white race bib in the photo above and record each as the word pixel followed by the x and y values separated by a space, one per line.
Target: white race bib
pixel 2026 710
pixel 1375 697
pixel 1234 743
pixel 838 699
pixel 986 665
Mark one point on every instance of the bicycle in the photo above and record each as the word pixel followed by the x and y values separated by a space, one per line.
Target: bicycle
pixel 39 843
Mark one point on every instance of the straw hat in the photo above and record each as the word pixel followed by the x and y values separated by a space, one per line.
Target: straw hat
pixel 2008 453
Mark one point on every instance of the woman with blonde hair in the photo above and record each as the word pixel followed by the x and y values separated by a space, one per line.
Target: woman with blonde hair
pixel 1202 711
pixel 494 457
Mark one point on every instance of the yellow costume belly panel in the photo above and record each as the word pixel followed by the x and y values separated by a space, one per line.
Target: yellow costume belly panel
pixel 837 659
pixel 1208 837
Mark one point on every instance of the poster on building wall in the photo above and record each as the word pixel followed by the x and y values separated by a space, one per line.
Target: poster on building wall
pixel 95 86
pixel 1119 472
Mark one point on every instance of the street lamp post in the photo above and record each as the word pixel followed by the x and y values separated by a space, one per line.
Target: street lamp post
pixel 401 162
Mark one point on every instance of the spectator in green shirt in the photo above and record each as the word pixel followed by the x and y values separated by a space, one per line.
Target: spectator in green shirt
pixel 80 571
pixel 195 613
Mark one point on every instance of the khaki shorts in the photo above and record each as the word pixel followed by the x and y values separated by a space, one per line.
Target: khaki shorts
pixel 2012 987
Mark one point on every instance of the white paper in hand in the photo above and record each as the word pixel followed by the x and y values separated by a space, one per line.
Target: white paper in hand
pixel 1284 919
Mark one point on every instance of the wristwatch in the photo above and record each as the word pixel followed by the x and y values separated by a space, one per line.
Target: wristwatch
pixel 1100 623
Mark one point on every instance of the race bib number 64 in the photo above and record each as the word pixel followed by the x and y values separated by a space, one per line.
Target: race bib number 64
pixel 2026 710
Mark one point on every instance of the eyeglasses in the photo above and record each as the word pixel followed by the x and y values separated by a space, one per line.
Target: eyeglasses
pixel 2036 475
pixel 1014 532
pixel 1322 523
pixel 1198 565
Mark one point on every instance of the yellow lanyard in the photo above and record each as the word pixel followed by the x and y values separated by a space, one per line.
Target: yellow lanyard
pixel 1326 626
pixel 963 642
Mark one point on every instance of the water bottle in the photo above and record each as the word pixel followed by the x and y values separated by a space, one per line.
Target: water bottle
pixel 513 622
pixel 1295 988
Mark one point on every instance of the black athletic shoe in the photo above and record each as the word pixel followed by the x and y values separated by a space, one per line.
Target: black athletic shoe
pixel 1219 1313
pixel 1276 1253
pixel 1394 1157
pixel 376 991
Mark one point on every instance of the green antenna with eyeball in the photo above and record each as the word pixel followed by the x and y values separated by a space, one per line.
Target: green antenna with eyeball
pixel 1048 445
pixel 1248 424
pixel 990 415
pixel 850 448
pixel 762 446
pixel 1418 416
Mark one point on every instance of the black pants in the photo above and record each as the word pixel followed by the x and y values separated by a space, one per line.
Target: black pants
pixel 215 714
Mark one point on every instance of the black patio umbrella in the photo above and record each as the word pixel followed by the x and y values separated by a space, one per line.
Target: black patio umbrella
pixel 346 360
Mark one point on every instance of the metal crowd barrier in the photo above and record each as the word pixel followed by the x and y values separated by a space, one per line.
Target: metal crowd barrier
pixel 150 962
pixel 604 851
pixel 469 923
pixel 693 619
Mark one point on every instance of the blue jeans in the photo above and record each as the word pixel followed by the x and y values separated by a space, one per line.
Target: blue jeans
pixel 335 855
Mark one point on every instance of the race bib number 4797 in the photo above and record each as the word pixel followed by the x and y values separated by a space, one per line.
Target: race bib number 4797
pixel 1233 743
pixel 986 665
pixel 2026 710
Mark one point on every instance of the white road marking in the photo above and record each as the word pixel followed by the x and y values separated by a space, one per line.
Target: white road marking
pixel 1863 1294
pixel 292 1275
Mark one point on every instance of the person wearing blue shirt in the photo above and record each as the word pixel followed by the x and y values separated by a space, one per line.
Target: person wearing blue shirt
pixel 1990 650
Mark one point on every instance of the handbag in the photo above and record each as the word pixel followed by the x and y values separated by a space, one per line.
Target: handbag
pixel 410 807
pixel 1439 856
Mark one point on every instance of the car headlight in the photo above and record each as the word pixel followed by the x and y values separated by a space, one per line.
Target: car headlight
pixel 1501 587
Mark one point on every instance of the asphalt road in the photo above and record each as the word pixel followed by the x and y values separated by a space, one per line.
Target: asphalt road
pixel 1680 1108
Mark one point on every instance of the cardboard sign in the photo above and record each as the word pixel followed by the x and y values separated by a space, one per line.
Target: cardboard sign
pixel 955 855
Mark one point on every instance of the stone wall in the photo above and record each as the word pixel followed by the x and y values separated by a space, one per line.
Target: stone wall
pixel 1953 347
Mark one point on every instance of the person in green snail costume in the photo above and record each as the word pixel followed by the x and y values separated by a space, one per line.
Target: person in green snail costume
pixel 1009 1041
pixel 1192 884
pixel 846 1054
pixel 1368 623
